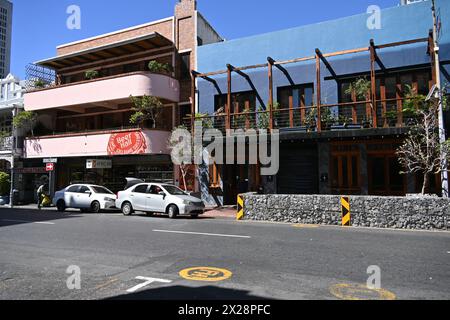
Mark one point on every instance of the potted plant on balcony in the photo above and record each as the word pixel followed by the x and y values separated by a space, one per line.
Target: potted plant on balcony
pixel 146 108
pixel 91 74
pixel 5 187
pixel 26 120
pixel 158 67
pixel 361 87
pixel 39 84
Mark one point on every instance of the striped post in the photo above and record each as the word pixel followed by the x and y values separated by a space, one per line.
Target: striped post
pixel 346 214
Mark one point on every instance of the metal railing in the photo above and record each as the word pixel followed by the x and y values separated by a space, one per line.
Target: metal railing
pixel 338 116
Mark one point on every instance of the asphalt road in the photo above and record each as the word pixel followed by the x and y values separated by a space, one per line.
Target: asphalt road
pixel 266 261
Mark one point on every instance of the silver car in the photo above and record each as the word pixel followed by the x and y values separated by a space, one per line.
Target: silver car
pixel 159 198
pixel 86 197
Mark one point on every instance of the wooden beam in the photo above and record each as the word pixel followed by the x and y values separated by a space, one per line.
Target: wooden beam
pixel 193 99
pixel 373 83
pixel 228 106
pixel 327 64
pixel 318 94
pixel 270 94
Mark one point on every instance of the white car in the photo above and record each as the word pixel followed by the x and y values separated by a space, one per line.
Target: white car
pixel 159 198
pixel 87 197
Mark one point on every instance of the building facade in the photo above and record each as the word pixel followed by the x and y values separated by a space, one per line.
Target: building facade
pixel 309 75
pixel 82 98
pixel 6 14
pixel 11 140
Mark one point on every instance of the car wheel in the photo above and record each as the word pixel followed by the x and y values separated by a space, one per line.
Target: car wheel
pixel 172 211
pixel 95 207
pixel 127 209
pixel 61 206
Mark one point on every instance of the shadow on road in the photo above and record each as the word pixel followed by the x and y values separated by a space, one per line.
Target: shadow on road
pixel 189 293
pixel 11 217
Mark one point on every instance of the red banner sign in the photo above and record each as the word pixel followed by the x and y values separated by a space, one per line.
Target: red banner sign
pixel 127 143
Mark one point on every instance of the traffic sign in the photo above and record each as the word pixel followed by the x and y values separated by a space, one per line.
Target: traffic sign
pixel 50 167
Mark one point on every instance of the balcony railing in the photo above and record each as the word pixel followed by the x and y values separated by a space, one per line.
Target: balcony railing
pixel 6 144
pixel 339 116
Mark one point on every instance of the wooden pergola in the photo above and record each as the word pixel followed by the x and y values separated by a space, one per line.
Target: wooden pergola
pixel 319 58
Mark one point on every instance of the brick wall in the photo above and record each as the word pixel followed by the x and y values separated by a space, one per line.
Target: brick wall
pixel 164 28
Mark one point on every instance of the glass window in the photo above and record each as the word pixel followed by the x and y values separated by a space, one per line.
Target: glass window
pixel 174 190
pixel 185 65
pixel 84 189
pixel 141 188
pixel 378 177
pixel 155 190
pixel 73 189
pixel 101 190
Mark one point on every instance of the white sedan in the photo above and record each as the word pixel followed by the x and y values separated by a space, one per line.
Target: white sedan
pixel 87 197
pixel 159 198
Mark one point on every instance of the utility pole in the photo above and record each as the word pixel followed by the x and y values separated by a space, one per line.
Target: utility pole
pixel 444 174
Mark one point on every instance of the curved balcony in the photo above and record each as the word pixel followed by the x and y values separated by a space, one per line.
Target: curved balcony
pixel 100 143
pixel 112 90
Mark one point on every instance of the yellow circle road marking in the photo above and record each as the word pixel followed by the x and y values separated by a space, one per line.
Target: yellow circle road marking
pixel 207 274
pixel 347 291
pixel 306 226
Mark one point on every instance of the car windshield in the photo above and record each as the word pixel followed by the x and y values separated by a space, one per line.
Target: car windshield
pixel 175 191
pixel 101 190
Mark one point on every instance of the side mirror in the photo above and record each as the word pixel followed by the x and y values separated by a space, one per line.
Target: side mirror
pixel 88 192
pixel 161 193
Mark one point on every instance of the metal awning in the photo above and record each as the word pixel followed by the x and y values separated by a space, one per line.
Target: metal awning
pixel 115 50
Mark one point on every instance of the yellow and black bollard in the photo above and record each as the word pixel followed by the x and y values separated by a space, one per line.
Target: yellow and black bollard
pixel 346 214
pixel 240 208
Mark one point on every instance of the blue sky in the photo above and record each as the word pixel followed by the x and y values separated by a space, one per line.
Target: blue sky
pixel 40 25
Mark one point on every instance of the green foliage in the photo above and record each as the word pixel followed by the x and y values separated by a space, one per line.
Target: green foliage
pixel 5 184
pixel 26 120
pixel 39 84
pixel 157 67
pixel 263 121
pixel 361 86
pixel 413 102
pixel 207 122
pixel 326 116
pixel 91 74
pixel 146 108
pixel 5 134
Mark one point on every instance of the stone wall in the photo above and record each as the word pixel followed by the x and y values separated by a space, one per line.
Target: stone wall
pixel 426 213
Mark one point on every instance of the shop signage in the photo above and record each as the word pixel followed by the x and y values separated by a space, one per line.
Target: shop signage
pixel 127 143
pixel 51 160
pixel 98 164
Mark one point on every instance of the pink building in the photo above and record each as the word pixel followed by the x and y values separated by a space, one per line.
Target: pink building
pixel 82 98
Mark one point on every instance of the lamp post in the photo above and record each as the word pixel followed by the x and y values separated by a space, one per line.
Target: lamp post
pixel 442 138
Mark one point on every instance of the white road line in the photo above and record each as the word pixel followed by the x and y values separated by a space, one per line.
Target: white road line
pixel 204 234
pixel 147 282
pixel 23 221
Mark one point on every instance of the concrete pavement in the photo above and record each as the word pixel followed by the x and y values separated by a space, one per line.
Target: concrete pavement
pixel 266 261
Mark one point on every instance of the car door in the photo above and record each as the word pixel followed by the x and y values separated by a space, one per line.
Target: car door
pixel 139 197
pixel 84 197
pixel 70 195
pixel 155 201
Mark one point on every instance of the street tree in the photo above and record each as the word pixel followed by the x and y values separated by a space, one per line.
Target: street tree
pixel 421 151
